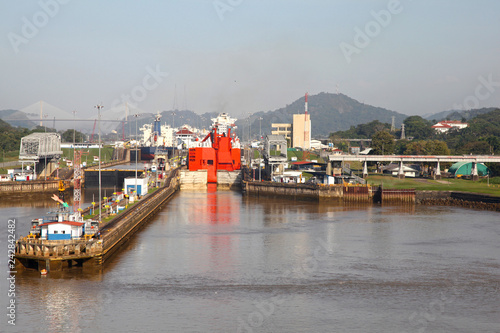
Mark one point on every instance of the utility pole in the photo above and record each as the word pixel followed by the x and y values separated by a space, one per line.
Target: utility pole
pixel 74 128
pixel 136 152
pixel 99 107
pixel 45 148
pixel 260 150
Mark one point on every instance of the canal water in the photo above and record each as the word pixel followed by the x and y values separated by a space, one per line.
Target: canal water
pixel 221 262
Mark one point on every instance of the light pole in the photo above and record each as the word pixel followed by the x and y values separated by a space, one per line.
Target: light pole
pixel 74 129
pixel 260 151
pixel 45 147
pixel 99 107
pixel 136 152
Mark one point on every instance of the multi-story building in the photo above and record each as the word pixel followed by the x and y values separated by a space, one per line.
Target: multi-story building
pixel 302 131
pixel 282 129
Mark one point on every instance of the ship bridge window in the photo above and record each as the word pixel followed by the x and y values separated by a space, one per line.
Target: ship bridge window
pixel 210 162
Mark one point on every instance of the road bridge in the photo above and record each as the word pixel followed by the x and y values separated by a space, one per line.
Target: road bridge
pixel 401 159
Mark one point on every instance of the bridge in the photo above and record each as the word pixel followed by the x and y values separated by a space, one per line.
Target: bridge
pixel 38 147
pixel 401 159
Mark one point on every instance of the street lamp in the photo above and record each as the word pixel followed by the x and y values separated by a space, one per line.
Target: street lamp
pixel 99 107
pixel 45 147
pixel 260 151
pixel 74 128
pixel 136 151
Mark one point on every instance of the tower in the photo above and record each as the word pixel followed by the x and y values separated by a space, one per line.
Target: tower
pixel 307 128
pixel 302 128
pixel 403 131
pixel 77 190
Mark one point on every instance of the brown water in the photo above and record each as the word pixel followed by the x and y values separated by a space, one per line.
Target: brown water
pixel 220 262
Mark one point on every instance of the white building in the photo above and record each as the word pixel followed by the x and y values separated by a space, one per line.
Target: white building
pixel 129 184
pixel 64 230
pixel 446 125
pixel 186 136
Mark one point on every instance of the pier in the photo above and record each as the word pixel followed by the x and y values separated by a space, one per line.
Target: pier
pixel 56 255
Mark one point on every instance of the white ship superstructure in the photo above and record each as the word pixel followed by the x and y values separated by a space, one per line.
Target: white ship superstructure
pixel 223 122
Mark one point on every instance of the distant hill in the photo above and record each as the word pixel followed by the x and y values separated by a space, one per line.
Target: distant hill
pixel 329 113
pixel 177 118
pixel 16 118
pixel 4 125
pixel 458 114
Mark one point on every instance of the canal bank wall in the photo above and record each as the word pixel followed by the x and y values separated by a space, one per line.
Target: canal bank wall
pixel 26 188
pixel 119 231
pixel 371 194
pixel 363 193
pixel 458 199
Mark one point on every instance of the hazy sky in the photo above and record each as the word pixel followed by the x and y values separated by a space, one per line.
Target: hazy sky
pixel 244 56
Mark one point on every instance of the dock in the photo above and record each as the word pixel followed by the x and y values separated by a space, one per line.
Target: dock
pixel 57 255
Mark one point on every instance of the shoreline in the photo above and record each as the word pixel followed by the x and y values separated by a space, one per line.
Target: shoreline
pixel 458 199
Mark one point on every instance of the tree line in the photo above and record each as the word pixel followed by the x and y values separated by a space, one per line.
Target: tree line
pixel 481 137
pixel 10 137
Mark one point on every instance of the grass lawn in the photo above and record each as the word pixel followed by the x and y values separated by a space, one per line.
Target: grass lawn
pixel 445 184
pixel 106 154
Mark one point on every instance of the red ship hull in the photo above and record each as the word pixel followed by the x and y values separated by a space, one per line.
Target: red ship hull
pixel 221 156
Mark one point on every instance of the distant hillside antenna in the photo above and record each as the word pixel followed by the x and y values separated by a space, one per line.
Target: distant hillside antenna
pixel 403 131
pixel 307 128
pixel 393 127
pixel 126 117
pixel 306 105
pixel 185 98
pixel 174 107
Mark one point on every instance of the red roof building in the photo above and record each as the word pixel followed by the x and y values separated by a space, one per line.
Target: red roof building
pixel 445 125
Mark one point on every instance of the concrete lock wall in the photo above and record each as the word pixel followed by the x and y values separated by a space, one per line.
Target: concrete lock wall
pixel 229 180
pixel 193 179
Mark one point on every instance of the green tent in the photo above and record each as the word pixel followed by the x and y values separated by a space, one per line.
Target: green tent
pixel 465 169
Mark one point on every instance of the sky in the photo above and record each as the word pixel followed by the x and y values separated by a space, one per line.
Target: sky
pixel 244 56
